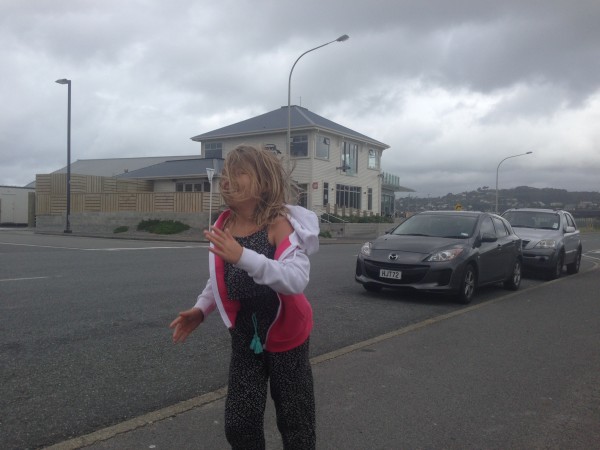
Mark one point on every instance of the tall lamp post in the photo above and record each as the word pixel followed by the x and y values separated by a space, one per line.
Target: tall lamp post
pixel 210 172
pixel 342 38
pixel 68 83
pixel 498 168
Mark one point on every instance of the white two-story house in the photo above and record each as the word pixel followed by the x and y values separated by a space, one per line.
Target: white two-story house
pixel 335 168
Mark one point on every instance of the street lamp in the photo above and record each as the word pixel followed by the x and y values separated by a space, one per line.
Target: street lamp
pixel 68 83
pixel 498 168
pixel 210 172
pixel 342 38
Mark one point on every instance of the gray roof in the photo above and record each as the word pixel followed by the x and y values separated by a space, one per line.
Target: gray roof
pixel 110 167
pixel 177 169
pixel 276 121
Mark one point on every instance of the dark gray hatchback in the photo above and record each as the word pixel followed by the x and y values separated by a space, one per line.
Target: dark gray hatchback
pixel 451 252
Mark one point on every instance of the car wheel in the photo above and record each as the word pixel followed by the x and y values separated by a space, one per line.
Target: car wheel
pixel 557 269
pixel 574 266
pixel 372 287
pixel 468 285
pixel 514 281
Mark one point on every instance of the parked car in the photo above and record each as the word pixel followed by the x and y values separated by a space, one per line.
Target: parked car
pixel 550 239
pixel 452 252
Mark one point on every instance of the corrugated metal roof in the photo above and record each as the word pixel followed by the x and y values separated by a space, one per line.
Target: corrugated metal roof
pixel 187 168
pixel 276 121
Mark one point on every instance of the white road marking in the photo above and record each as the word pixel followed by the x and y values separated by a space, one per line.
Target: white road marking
pixel 106 249
pixel 23 279
pixel 116 249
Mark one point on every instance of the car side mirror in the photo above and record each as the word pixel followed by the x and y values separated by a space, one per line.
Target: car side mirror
pixel 570 229
pixel 488 237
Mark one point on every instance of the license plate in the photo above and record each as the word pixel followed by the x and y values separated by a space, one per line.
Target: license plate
pixel 395 274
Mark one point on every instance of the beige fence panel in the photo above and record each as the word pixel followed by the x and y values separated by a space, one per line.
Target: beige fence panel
pixel 189 201
pixel 134 185
pixel 78 203
pixel 108 194
pixel 42 184
pixel 145 202
pixel 127 202
pixel 164 201
pixel 42 203
pixel 109 202
pixel 79 184
pixel 58 183
pixel 58 204
pixel 109 185
pixel 92 202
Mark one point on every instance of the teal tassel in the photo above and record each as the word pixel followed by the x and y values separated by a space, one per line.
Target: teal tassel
pixel 256 345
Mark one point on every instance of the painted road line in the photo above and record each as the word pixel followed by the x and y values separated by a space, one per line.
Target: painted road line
pixel 118 249
pixel 23 279
pixel 105 249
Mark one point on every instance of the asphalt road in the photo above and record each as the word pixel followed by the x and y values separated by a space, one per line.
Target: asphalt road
pixel 84 342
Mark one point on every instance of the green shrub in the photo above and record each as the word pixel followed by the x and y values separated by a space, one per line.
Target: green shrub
pixel 121 229
pixel 325 234
pixel 162 226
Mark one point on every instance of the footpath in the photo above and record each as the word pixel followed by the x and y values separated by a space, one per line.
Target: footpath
pixel 518 372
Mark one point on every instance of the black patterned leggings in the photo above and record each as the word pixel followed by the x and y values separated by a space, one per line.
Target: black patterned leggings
pixel 292 391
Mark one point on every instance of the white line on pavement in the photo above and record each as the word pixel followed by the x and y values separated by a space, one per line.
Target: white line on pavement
pixel 23 279
pixel 140 248
pixel 106 249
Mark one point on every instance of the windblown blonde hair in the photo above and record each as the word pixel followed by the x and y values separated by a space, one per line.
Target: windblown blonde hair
pixel 269 182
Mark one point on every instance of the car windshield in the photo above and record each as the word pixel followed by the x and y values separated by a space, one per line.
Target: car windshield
pixel 436 225
pixel 533 219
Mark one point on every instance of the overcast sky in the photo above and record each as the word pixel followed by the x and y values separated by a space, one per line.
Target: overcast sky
pixel 452 86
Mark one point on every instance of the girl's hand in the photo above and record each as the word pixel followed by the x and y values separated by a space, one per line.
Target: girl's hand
pixel 225 245
pixel 185 323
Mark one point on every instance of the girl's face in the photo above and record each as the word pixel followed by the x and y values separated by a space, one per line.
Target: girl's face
pixel 242 183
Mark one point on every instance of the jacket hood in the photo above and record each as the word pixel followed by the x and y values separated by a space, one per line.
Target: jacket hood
pixel 306 227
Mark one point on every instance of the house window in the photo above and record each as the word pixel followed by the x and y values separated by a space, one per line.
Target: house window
pixel 322 150
pixel 387 204
pixel 373 159
pixel 302 195
pixel 213 150
pixel 192 187
pixel 348 196
pixel 350 158
pixel 299 147
pixel 370 199
pixel 325 193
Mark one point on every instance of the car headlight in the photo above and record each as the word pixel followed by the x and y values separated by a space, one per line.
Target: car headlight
pixel 445 255
pixel 366 249
pixel 546 243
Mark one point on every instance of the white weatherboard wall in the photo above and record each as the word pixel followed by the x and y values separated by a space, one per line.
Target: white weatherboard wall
pixel 14 203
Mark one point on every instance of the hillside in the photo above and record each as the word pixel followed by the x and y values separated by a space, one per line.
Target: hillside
pixel 484 199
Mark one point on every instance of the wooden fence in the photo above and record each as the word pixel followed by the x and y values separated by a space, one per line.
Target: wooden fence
pixel 104 194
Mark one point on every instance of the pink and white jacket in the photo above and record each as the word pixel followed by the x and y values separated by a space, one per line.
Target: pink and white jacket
pixel 287 274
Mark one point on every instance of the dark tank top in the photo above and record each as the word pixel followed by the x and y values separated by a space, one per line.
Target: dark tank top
pixel 254 298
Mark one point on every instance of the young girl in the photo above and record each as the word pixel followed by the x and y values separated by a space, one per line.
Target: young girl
pixel 259 268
